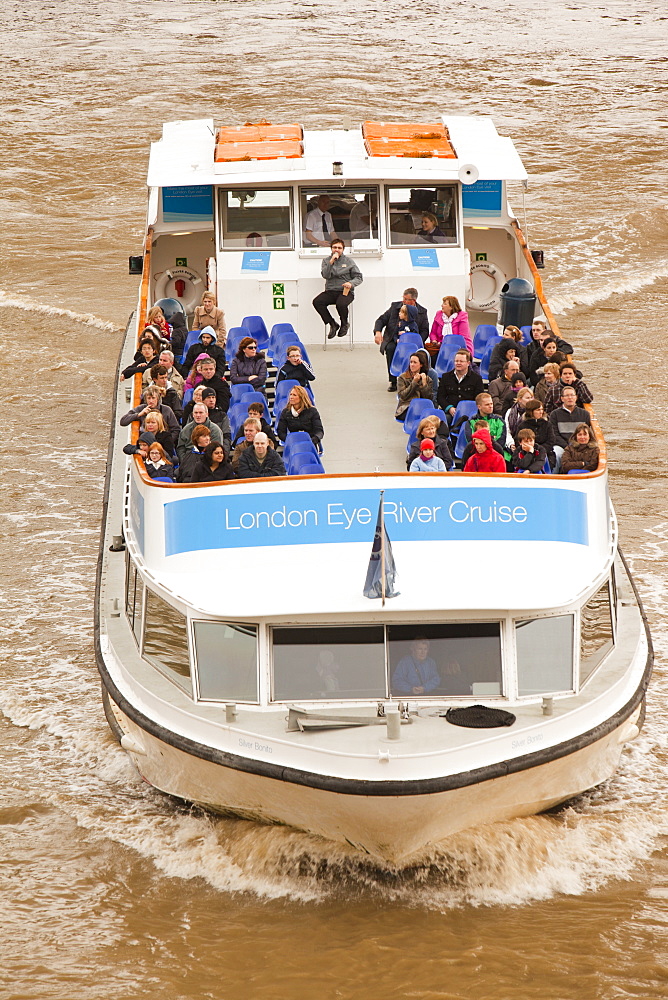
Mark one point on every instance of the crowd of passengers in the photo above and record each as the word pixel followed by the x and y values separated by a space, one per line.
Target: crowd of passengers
pixel 531 417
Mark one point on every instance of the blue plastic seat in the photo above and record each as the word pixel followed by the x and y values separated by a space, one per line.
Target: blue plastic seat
pixel 446 356
pixel 277 330
pixel 237 391
pixel 417 409
pixel 282 392
pixel 402 354
pixel 484 332
pixel 411 338
pixel 234 337
pixel 237 413
pixel 257 329
pixel 461 442
pixel 293 438
pixel 301 460
pixel 577 472
pixel 464 410
pixel 281 354
pixel 526 335
pixel 257 397
pixel 487 357
pixel 192 338
pixel 162 479
pixel 187 396
pixel 309 469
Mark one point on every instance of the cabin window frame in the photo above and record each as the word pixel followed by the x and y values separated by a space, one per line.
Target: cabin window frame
pixel 306 192
pixel 194 661
pixel 164 669
pixel 137 612
pixel 575 666
pixel 422 244
pixel 221 218
pixel 609 646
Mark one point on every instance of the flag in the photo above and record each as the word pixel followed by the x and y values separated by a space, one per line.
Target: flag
pixel 381 574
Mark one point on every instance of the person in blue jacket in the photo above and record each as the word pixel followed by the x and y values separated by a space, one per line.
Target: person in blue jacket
pixel 416 673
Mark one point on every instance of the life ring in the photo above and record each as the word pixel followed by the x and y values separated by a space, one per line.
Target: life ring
pixel 489 296
pixel 182 284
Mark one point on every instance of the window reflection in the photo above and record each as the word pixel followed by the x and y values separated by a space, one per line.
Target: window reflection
pixel 166 640
pixel 255 218
pixel 446 660
pixel 422 216
pixel 545 655
pixel 339 663
pixel 226 661
pixel 596 636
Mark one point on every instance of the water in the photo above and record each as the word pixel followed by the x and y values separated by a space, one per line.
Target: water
pixel 108 889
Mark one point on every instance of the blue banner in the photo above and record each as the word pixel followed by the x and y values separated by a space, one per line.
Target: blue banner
pixel 192 203
pixel 482 199
pixel 461 514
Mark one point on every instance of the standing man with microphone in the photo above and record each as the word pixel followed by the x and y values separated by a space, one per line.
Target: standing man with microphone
pixel 341 276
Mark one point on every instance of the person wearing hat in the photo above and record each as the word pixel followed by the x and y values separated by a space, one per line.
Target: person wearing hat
pixel 217 415
pixel 427 460
pixel 485 458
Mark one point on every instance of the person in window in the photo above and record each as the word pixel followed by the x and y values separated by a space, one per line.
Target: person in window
pixel 319 225
pixel 581 452
pixel 300 415
pixel 249 365
pixel 341 276
pixel 416 673
pixel 212 467
pixel 430 232
pixel 413 384
pixel 260 461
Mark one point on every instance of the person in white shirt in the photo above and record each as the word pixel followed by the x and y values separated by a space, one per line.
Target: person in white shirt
pixel 319 225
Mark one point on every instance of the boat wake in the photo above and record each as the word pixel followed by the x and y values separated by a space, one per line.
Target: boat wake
pixel 32 306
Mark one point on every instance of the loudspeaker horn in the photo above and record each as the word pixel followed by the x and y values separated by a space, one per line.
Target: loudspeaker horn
pixel 468 173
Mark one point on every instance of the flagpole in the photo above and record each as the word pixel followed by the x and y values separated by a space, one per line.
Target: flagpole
pixel 382 547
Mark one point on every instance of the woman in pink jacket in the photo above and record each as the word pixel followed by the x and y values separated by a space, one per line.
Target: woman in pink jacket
pixel 451 319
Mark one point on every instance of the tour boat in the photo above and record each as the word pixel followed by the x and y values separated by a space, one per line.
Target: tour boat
pixel 252 635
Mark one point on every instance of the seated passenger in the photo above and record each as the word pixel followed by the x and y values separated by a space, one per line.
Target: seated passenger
pixel 200 437
pixel 470 448
pixel 485 458
pixel 386 329
pixel 548 353
pixel 156 318
pixel 179 334
pixel 212 467
pixel 528 456
pixel 257 410
pixel 430 231
pixel 188 408
pixel 216 414
pixel 450 319
pixel 207 314
pixel 460 383
pixel 342 276
pixel 152 401
pixel 496 425
pixel 144 442
pixel 300 415
pixel 408 320
pixel 200 418
pixel 539 332
pixel 206 377
pixel 260 461
pixel 414 383
pixel 426 360
pixel 245 438
pixel 295 368
pixel 154 423
pixel 535 420
pixel 206 344
pixel 501 388
pixel 429 429
pixel 581 452
pixel 416 673
pixel 550 378
pixel 170 397
pixel 505 350
pixel 144 359
pixel 249 365
pixel 427 460
pixel 568 375
pixel 157 464
pixel 565 419
pixel 515 415
pixel 174 378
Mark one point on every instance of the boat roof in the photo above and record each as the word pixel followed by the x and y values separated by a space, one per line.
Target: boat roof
pixel 185 155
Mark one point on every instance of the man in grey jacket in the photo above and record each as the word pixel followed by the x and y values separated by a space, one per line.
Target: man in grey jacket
pixel 341 275
pixel 200 417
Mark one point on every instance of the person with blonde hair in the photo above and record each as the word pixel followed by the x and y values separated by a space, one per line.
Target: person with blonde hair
pixel 550 377
pixel 300 414
pixel 207 313
pixel 156 318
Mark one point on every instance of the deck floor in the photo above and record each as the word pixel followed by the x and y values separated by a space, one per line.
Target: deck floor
pixel 357 411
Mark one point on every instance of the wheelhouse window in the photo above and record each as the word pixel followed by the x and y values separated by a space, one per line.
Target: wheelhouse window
pixel 446 660
pixel 226 657
pixel 350 212
pixel 252 218
pixel 337 663
pixel 166 640
pixel 134 597
pixel 422 216
pixel 545 655
pixel 596 632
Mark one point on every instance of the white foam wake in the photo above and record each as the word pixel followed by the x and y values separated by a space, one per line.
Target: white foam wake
pixel 30 305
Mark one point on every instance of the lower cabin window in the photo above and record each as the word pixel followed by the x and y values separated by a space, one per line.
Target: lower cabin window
pixel 226 661
pixel 166 640
pixel 545 655
pixel 134 598
pixel 336 662
pixel 596 632
pixel 446 660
